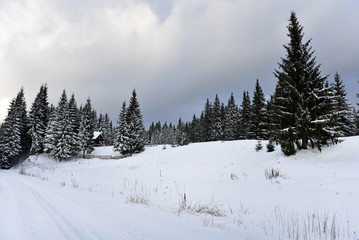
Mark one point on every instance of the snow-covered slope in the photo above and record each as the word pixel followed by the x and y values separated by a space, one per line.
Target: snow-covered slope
pixel 216 190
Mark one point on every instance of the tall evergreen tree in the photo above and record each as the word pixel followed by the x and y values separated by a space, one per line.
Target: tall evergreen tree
pixel 206 122
pixel 195 128
pixel 217 121
pixel 87 128
pixel 258 125
pixel 231 120
pixel 300 97
pixel 245 117
pixel 14 138
pixel 121 142
pixel 38 118
pixel 345 119
pixel 130 133
pixel 74 125
pixel 62 147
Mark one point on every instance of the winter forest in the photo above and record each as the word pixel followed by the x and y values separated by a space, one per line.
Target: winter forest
pixel 308 109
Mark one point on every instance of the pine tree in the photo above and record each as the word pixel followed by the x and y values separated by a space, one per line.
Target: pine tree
pixel 39 118
pixel 62 147
pixel 206 122
pixel 345 120
pixel 300 98
pixel 135 125
pixel 121 138
pixel 87 128
pixel 195 128
pixel 217 123
pixel 14 139
pixel 258 128
pixel 231 120
pixel 74 125
pixel 245 117
pixel 181 133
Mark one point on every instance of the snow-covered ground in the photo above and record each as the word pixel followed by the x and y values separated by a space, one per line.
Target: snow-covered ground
pixel 216 190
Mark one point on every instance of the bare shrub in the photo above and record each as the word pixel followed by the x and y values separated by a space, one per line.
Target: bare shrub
pixel 197 208
pixel 234 176
pixel 308 225
pixel 22 171
pixel 137 199
pixel 273 174
pixel 209 222
pixel 74 184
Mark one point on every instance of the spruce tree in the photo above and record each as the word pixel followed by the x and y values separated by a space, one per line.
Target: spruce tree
pixel 345 120
pixel 39 118
pixel 217 121
pixel 207 122
pixel 300 98
pixel 121 142
pixel 87 128
pixel 74 125
pixel 231 120
pixel 245 117
pixel 258 128
pixel 62 147
pixel 135 125
pixel 14 139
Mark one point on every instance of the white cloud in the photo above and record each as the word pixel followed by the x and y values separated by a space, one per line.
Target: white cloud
pixel 198 48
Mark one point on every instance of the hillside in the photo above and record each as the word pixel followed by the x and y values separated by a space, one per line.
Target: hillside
pixel 216 190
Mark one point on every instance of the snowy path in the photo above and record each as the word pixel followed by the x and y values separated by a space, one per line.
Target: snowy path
pixel 43 215
pixel 32 209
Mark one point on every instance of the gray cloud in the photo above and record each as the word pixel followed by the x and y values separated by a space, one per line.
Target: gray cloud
pixel 175 54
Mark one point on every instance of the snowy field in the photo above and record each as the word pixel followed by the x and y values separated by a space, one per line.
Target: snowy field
pixel 217 190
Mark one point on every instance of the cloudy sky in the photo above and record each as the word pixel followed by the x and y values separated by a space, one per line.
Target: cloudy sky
pixel 174 53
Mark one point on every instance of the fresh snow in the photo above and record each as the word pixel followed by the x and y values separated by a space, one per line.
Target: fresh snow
pixel 142 197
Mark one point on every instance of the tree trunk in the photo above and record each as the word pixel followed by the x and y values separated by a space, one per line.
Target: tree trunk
pixel 304 141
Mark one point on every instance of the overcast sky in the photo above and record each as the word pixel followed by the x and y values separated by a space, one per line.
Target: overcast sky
pixel 174 53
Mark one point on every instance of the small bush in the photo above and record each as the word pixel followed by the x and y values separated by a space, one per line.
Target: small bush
pixel 270 146
pixel 137 199
pixel 74 184
pixel 259 146
pixel 272 173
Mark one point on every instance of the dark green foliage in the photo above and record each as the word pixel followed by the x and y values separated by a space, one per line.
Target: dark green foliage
pixel 122 135
pixel 345 119
pixel 259 146
pixel 270 146
pixel 14 138
pixel 231 120
pixel 300 100
pixel 245 117
pixel 217 121
pixel 39 118
pixel 130 132
pixel 207 122
pixel 258 128
pixel 87 128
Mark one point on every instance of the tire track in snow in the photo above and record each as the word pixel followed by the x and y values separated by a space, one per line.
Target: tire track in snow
pixel 41 210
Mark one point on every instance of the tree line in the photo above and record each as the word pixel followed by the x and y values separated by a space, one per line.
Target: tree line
pixel 304 111
pixel 65 130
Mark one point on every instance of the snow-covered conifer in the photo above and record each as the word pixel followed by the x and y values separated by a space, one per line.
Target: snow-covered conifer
pixel 345 119
pixel 258 128
pixel 300 96
pixel 38 118
pixel 87 128
pixel 245 117
pixel 231 120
